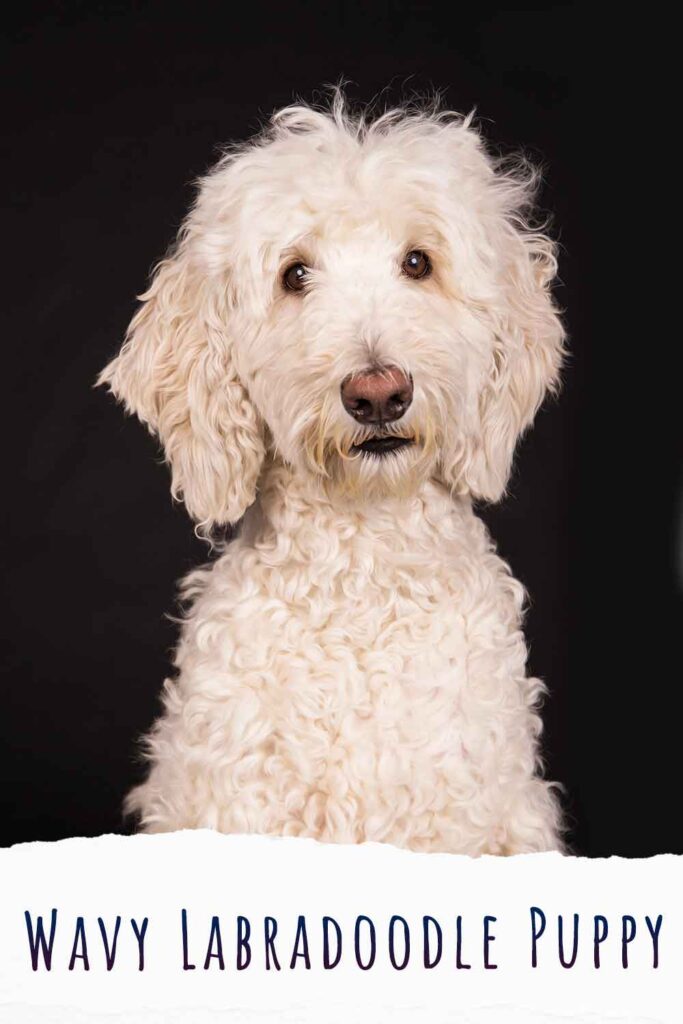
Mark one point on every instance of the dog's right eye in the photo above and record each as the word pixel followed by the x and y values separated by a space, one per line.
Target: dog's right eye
pixel 295 277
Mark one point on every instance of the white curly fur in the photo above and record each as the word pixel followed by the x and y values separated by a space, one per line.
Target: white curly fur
pixel 351 666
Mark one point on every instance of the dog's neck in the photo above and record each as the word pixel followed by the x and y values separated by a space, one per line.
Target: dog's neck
pixel 290 505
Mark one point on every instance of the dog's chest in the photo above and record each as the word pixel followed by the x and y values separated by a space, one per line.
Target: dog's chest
pixel 356 637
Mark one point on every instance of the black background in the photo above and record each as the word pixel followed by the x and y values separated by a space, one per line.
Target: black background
pixel 112 110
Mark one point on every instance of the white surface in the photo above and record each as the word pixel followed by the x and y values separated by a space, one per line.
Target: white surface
pixel 210 874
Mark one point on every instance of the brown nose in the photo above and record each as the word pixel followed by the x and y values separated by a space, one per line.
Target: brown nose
pixel 377 396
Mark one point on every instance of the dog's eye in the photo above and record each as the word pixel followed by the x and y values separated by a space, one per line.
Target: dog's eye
pixel 295 277
pixel 416 264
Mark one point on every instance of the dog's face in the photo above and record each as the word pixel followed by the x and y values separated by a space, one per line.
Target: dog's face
pixel 351 332
pixel 366 301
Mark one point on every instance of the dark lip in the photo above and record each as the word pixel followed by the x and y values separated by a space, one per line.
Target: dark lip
pixel 382 445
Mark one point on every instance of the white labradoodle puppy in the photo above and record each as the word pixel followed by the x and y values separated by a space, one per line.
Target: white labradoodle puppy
pixel 339 354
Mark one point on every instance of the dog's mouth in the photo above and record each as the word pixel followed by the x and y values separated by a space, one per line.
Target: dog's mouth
pixel 381 446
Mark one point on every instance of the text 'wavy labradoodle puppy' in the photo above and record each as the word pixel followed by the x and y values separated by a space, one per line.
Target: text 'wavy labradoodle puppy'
pixel 340 352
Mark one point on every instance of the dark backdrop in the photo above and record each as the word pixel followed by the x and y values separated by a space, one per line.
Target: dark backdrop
pixel 112 110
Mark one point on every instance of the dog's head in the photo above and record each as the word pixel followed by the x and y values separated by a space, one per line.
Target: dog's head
pixel 364 298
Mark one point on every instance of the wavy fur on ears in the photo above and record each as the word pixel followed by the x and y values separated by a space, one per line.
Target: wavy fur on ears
pixel 528 348
pixel 175 371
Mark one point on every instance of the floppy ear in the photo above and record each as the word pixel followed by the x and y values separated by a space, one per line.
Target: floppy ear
pixel 175 371
pixel 525 363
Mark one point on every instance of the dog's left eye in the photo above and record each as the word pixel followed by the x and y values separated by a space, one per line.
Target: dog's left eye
pixel 295 277
pixel 416 264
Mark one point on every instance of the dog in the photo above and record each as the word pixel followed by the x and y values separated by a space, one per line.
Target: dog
pixel 353 329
